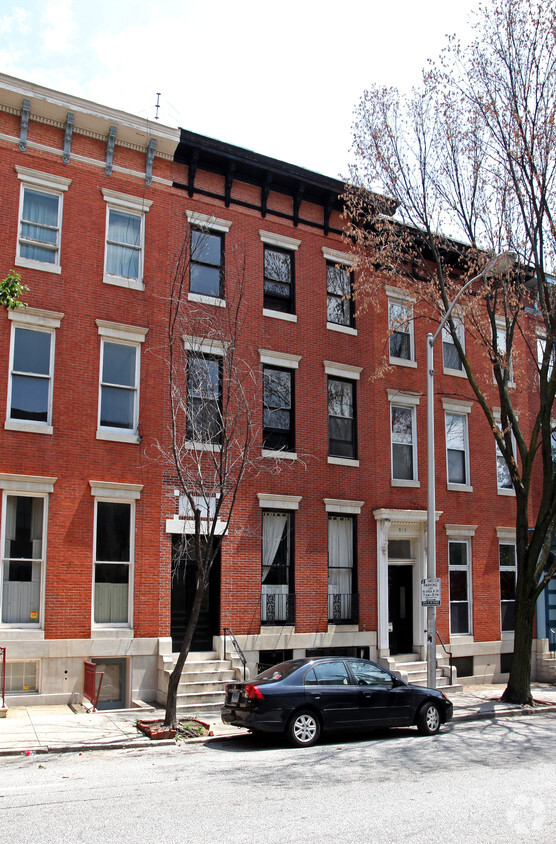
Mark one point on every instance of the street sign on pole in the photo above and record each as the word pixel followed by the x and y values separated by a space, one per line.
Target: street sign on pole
pixel 430 592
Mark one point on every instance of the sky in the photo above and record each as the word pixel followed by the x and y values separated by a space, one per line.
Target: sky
pixel 280 78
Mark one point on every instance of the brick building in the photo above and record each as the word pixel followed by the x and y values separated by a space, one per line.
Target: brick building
pixel 324 552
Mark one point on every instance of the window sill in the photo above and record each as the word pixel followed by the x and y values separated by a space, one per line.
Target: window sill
pixel 118 437
pixel 118 281
pixel 343 329
pixel 459 487
pixel 13 632
pixel 279 455
pixel 343 461
pixel 206 300
pixel 193 446
pixel 457 373
pixel 401 482
pixel 43 266
pixel 117 631
pixel 507 492
pixel 280 315
pixel 28 427
pixel 187 526
pixel 403 362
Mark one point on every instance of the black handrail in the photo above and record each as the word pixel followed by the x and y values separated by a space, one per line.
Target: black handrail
pixel 551 639
pixel 448 654
pixel 241 655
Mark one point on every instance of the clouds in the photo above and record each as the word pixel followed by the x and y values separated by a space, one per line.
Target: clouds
pixel 60 27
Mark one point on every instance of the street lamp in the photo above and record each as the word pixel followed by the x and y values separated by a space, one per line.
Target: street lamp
pixel 497 266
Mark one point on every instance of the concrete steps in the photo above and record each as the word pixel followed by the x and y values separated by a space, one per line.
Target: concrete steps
pixel 201 690
pixel 414 670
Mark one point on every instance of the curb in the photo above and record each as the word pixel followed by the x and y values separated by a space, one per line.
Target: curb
pixel 505 713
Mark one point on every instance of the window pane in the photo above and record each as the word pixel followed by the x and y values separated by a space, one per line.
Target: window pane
pixel 39 223
pixel 455 431
pixel 399 549
pixel 507 555
pixel 458 585
pixel 122 261
pixel 402 425
pixel 117 408
pixel 30 398
pixel 203 378
pixel 507 585
pixel 113 528
pixel 457 553
pixel 118 364
pixel 32 351
pixel 338 311
pixel 508 616
pixel 400 346
pixel 402 459
pixel 277 266
pixel 340 398
pixel 24 525
pixel 452 359
pixel 338 281
pixel 111 594
pixel 206 248
pixel 124 228
pixel 204 280
pixel 459 617
pixel 456 467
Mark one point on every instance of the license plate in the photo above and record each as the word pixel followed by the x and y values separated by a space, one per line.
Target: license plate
pixel 234 697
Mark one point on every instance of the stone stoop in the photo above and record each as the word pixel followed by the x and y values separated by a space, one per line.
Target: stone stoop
pixel 546 667
pixel 202 685
pixel 414 671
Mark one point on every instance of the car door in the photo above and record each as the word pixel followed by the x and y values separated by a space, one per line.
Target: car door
pixel 382 702
pixel 330 688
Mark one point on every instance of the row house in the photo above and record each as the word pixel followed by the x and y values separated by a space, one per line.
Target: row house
pixel 326 547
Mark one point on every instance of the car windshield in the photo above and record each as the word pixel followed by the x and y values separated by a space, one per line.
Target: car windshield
pixel 278 672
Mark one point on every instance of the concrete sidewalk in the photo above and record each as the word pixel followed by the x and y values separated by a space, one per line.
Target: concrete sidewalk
pixel 43 729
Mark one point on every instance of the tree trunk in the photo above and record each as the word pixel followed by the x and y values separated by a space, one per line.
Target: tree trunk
pixel 518 689
pixel 171 716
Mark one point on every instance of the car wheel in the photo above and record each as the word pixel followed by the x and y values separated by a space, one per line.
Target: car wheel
pixel 428 720
pixel 303 729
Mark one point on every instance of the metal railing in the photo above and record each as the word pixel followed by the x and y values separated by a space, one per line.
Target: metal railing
pixel 551 639
pixel 277 608
pixel 343 608
pixel 229 632
pixel 448 654
pixel 3 676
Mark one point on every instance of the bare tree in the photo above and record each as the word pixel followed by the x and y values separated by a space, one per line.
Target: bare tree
pixel 469 161
pixel 213 384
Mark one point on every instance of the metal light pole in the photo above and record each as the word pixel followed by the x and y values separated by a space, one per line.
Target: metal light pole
pixel 495 267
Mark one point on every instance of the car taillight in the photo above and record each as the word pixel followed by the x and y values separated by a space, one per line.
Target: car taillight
pixel 252 692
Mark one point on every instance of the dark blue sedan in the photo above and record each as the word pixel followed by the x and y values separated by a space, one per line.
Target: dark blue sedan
pixel 303 697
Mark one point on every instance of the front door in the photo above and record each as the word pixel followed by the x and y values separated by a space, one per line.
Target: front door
pixel 113 685
pixel 184 577
pixel 400 609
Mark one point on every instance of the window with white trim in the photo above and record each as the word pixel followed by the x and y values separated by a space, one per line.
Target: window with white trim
pixel 457 448
pixel 450 355
pixel 279 272
pixel 118 412
pixel 21 676
pixel 459 563
pixel 506 361
pixel 503 476
pixel 339 291
pixel 341 569
pixel 277 576
pixel 125 239
pixel 400 326
pixel 113 558
pixel 403 437
pixel 508 577
pixel 31 369
pixel 40 219
pixel 23 559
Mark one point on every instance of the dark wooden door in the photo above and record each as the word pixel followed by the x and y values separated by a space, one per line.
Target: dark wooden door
pixel 400 609
pixel 184 576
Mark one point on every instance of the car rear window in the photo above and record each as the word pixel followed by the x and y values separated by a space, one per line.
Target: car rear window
pixel 278 672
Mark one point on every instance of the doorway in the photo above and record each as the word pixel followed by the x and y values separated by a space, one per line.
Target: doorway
pixel 400 609
pixel 113 687
pixel 184 576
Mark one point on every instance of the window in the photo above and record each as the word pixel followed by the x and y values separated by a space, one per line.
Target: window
pixel 341 418
pixel 278 414
pixel 112 562
pixel 125 218
pixel 400 325
pixel 339 289
pixel 451 358
pixel 457 453
pixel 341 569
pixel 459 569
pixel 277 568
pixel 204 399
pixel 119 381
pixel 21 676
pixel 23 561
pixel 503 477
pixel 31 369
pixel 40 219
pixel 207 263
pixel 502 349
pixel 404 466
pixel 279 274
pixel 508 574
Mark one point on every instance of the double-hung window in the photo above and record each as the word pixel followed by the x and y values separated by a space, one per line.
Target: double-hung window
pixel 457 443
pixel 340 310
pixel 118 413
pixel 113 552
pixel 24 521
pixel 40 219
pixel 125 238
pixel 400 327
pixel 508 576
pixel 501 349
pixel 450 355
pixel 459 567
pixel 403 437
pixel 32 369
pixel 342 416
pixel 277 567
pixel 206 270
pixel 204 399
pixel 279 401
pixel 503 477
pixel 279 273
pixel 341 565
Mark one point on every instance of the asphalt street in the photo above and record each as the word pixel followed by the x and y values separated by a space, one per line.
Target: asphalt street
pixel 476 782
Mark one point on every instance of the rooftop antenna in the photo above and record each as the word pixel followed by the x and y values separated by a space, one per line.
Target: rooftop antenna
pixel 157 106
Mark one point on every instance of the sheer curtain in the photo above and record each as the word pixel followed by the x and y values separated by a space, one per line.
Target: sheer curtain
pixel 40 223
pixel 340 564
pixel 124 235
pixel 273 529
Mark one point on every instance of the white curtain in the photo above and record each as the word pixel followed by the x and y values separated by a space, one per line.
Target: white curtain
pixel 273 529
pixel 340 564
pixel 36 527
pixel 124 233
